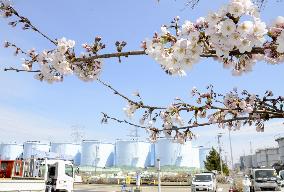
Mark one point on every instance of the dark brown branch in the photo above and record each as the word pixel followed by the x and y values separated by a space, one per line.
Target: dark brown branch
pixel 112 55
pixel 27 22
pixel 21 70
pixel 224 121
pixel 139 104
pixel 122 121
pixel 187 127
pixel 210 53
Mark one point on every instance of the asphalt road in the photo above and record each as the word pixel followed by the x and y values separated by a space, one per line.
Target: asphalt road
pixel 117 188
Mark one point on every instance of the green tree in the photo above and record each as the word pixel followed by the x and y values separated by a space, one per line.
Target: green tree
pixel 213 162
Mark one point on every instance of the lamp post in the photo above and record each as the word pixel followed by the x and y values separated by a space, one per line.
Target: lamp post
pixel 159 174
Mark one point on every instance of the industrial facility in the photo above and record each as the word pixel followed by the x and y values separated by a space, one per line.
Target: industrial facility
pixel 96 153
pixel 10 151
pixel 68 151
pixel 131 153
pixel 266 157
pixel 175 154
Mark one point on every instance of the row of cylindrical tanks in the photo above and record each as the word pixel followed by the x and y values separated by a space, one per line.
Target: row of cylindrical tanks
pixel 129 153
pixel 265 157
pixel 261 158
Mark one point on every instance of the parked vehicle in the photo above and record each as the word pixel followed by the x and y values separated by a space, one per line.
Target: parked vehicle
pixel 37 175
pixel 264 179
pixel 281 176
pixel 11 167
pixel 204 182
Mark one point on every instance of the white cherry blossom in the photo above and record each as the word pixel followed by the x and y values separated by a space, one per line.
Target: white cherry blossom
pixel 227 27
pixel 245 46
pixel 63 45
pixel 213 18
pixel 236 9
pixel 245 28
pixel 130 109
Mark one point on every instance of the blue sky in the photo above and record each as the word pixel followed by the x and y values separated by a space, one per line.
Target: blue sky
pixel 34 110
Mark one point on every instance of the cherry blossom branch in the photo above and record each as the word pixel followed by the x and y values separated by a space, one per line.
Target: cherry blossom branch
pixel 21 70
pixel 222 35
pixel 231 110
pixel 106 117
pixel 237 110
pixel 209 53
pixel 260 3
pixel 111 55
pixel 9 11
pixel 138 104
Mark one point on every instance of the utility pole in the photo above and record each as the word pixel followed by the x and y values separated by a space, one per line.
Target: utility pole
pixel 159 175
pixel 221 165
pixel 250 145
pixel 231 150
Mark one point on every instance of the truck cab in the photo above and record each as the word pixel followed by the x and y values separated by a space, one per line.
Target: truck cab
pixel 37 175
pixel 264 179
pixel 204 182
pixel 60 175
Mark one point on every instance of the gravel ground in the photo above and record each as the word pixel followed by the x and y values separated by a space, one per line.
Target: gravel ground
pixel 117 188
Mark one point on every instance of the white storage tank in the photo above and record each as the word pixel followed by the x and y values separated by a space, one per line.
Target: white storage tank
pixel 188 156
pixel 10 151
pixel 254 161
pixel 172 153
pixel 280 142
pixel 247 161
pixel 167 151
pixel 203 153
pixel 67 151
pixel 132 153
pixel 96 153
pixel 272 156
pixel 35 149
pixel 261 157
pixel 194 158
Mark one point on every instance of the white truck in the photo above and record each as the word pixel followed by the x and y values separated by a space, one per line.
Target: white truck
pixel 264 179
pixel 41 175
pixel 204 182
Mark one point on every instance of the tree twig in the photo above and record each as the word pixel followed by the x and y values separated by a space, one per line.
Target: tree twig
pixel 140 104
pixel 28 22
pixel 21 70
